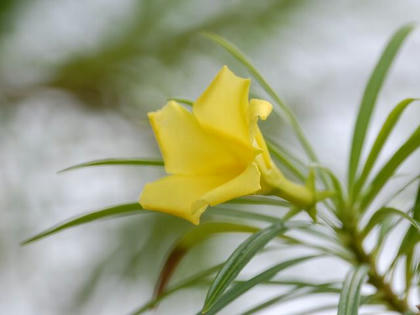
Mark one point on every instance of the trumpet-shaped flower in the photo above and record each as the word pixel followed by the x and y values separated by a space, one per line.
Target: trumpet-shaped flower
pixel 214 153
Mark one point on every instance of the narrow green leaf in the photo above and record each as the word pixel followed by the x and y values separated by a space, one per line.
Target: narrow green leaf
pixel 406 149
pixel 241 214
pixel 298 162
pixel 306 228
pixel 316 231
pixel 284 297
pixel 367 299
pixel 410 241
pixel 335 183
pixel 400 190
pixel 284 160
pixel 382 214
pixel 316 309
pixel 198 278
pixel 190 281
pixel 189 240
pixel 300 283
pixel 116 161
pixel 386 227
pixel 182 101
pixel 292 295
pixel 389 223
pixel 238 260
pixel 124 209
pixel 206 230
pixel 364 300
pixel 412 236
pixel 370 95
pixel 240 288
pixel 416 208
pixel 330 249
pixel 301 289
pixel 260 200
pixel 350 293
pixel 312 310
pixel 409 273
pixel 285 111
pixel 381 139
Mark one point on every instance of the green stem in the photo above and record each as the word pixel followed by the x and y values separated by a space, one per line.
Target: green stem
pixel 294 193
pixel 275 183
pixel 384 288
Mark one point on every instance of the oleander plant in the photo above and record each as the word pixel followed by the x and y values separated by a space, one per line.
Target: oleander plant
pixel 221 170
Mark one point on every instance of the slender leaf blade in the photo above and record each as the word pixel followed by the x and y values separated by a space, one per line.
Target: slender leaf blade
pixel 410 241
pixel 297 161
pixel 384 174
pixel 190 281
pixel 241 214
pixel 182 101
pixel 306 228
pixel 240 288
pixel 386 227
pixel 316 309
pixel 338 194
pixel 350 294
pixel 237 261
pixel 381 139
pixel 416 208
pixel 189 240
pixel 296 293
pixel 124 209
pixel 115 161
pixel 380 215
pixel 285 161
pixel 400 190
pixel 370 96
pixel 260 200
pixel 289 295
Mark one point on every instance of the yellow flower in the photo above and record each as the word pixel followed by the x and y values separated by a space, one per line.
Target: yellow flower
pixel 210 153
pixel 217 153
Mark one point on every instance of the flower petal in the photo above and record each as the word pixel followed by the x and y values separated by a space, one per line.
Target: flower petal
pixel 176 195
pixel 246 183
pixel 259 109
pixel 263 160
pixel 223 107
pixel 188 149
pixel 188 196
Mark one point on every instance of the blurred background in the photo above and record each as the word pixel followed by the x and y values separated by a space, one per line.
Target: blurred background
pixel 76 81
